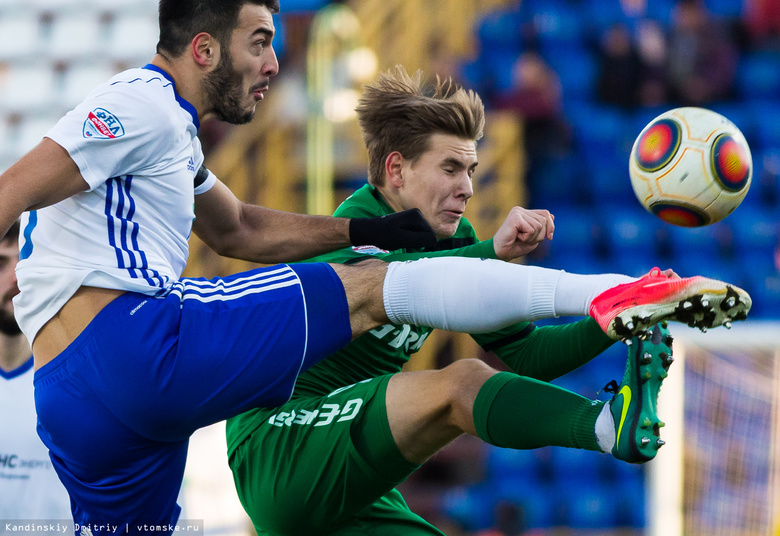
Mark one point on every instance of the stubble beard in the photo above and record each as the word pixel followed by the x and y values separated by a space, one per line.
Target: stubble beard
pixel 224 89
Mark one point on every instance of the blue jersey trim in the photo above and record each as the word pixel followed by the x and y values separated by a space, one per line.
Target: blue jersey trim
pixel 118 191
pixel 27 247
pixel 182 102
pixel 18 371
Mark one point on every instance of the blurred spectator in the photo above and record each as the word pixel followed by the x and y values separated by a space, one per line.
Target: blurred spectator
pixel 702 56
pixel 619 68
pixel 651 47
pixel 763 23
pixel 536 97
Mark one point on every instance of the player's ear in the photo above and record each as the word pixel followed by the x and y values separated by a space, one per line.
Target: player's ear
pixel 205 50
pixel 394 164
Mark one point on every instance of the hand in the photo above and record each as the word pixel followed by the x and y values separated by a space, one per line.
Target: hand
pixel 405 229
pixel 671 274
pixel 522 231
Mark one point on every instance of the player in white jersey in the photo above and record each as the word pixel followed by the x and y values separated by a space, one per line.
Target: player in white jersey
pixel 29 487
pixel 130 359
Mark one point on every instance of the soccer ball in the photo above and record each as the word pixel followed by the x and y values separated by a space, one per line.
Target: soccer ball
pixel 690 167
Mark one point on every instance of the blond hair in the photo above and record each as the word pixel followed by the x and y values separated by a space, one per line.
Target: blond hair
pixel 397 112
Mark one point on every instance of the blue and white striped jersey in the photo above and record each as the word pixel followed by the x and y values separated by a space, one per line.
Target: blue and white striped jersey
pixel 135 142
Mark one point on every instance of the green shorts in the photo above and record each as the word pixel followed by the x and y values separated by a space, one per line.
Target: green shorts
pixel 324 465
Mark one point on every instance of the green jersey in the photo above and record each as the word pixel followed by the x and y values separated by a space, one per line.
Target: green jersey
pixel 542 353
pixel 326 462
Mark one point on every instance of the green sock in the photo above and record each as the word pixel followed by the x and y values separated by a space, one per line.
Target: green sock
pixel 523 413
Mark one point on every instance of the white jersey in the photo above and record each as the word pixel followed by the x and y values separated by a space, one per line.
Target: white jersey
pixel 135 142
pixel 29 487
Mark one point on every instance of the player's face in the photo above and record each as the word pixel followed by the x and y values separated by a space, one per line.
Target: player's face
pixel 439 182
pixel 246 65
pixel 9 256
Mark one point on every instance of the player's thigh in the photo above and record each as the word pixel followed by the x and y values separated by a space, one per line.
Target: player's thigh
pixel 304 468
pixel 388 516
pixel 428 409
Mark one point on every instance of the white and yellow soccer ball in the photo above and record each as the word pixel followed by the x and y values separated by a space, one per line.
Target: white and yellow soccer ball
pixel 690 167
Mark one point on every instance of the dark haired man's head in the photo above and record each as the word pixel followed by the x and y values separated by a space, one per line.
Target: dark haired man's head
pixel 9 257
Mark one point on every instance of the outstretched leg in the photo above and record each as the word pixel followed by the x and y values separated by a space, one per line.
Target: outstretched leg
pixel 478 296
pixel 428 409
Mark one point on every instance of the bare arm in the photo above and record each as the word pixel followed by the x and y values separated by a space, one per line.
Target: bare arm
pixel 254 233
pixel 42 177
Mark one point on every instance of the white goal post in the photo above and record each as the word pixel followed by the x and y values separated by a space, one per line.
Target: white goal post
pixel 719 473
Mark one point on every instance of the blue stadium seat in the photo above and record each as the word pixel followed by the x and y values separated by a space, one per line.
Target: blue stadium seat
pixel 470 506
pixel 555 181
pixel 740 115
pixel 501 30
pixel 628 492
pixel 702 242
pixel 578 467
pixel 758 76
pixel 535 501
pixel 589 506
pixel 604 13
pixel 755 229
pixel 765 115
pixel 520 465
pixel 576 67
pixel 731 9
pixel 573 230
pixel 556 21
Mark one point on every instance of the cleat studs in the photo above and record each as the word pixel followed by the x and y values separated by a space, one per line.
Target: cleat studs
pixel 731 302
pixel 727 324
pixel 664 324
pixel 660 443
pixel 668 341
pixel 647 357
pixel 630 325
pixel 646 376
pixel 687 305
pixel 645 441
pixel 628 341
pixel 703 329
pixel 663 374
pixel 646 423
pixel 661 424
pixel 705 303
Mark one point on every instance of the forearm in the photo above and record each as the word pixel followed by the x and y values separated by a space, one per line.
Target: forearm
pixel 271 236
pixel 550 352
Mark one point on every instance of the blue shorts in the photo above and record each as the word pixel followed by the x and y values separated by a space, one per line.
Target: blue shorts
pixel 117 407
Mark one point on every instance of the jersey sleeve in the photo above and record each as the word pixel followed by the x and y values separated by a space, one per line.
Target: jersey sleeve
pixel 117 131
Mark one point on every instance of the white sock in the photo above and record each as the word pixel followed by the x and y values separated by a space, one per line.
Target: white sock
pixel 482 295
pixel 575 292
pixel 605 429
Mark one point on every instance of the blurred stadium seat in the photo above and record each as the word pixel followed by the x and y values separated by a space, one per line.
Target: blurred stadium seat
pixel 90 29
pixel 21 31
pixel 757 76
pixel 133 38
pixel 27 89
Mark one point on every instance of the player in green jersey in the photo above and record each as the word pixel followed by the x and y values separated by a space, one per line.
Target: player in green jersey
pixel 328 461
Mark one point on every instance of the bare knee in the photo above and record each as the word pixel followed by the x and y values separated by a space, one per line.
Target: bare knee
pixel 464 378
